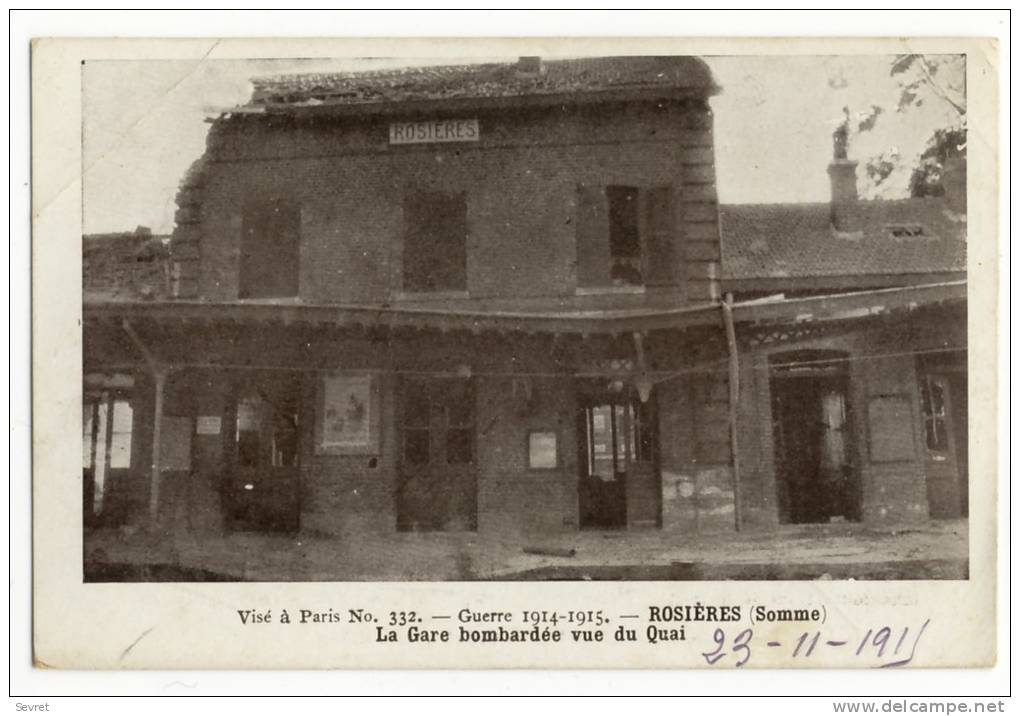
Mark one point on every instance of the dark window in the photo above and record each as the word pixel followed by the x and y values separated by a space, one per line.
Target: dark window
pixel 625 236
pixel 460 422
pixel 435 242
pixel 444 409
pixel 270 249
pixel 417 411
pixel 437 488
pixel 933 411
pixel 416 446
pixel 267 430
pixel 249 439
pixel 618 434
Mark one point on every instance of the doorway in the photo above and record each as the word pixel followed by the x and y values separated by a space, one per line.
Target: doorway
pixel 618 482
pixel 815 477
pixel 261 486
pixel 944 423
pixel 438 467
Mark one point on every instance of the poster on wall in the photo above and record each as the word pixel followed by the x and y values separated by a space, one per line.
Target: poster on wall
pixel 347 421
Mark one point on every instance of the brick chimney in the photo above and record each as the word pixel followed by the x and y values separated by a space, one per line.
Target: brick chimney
pixel 843 180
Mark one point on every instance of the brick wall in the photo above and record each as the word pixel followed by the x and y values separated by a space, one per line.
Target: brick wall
pixel 884 408
pixel 898 484
pixel 697 485
pixel 520 179
pixel 350 495
pixel 512 499
pixel 128 266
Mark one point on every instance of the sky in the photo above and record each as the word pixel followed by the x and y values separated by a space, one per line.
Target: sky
pixel 145 122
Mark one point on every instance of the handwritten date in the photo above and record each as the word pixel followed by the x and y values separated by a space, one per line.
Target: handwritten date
pixel 885 644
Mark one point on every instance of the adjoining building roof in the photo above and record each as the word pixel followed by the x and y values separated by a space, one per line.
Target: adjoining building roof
pixel 125 266
pixel 526 77
pixel 796 241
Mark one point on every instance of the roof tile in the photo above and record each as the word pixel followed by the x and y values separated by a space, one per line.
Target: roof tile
pixel 489 80
pixel 797 240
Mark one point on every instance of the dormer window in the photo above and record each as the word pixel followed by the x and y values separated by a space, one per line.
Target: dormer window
pixel 905 231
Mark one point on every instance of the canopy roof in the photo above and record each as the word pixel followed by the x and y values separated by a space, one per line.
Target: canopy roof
pixel 778 309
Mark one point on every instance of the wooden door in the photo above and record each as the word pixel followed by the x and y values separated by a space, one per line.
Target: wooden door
pixel 619 477
pixel 438 473
pixel 816 477
pixel 940 437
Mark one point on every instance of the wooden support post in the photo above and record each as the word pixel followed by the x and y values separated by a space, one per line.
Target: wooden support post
pixel 159 373
pixel 159 380
pixel 734 385
pixel 643 382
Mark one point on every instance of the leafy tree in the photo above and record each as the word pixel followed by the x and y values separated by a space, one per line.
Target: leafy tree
pixel 926 177
pixel 923 79
pixel 923 76
pixel 941 77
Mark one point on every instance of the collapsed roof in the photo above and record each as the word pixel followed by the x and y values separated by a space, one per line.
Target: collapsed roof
pixel 527 77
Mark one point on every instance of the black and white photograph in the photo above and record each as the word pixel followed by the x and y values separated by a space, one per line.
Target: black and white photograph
pixel 619 317
pixel 510 352
pixel 562 363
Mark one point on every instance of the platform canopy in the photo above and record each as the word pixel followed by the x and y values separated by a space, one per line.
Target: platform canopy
pixel 777 309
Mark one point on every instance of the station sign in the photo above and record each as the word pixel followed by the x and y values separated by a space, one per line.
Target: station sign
pixel 434 131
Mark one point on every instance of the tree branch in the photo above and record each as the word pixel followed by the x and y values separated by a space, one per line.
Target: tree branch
pixel 938 90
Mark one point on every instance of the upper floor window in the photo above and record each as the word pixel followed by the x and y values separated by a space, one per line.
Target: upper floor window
pixel 435 242
pixel 625 236
pixel 270 249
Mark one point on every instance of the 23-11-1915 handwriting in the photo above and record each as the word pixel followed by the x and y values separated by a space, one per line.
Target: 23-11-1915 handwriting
pixel 891 647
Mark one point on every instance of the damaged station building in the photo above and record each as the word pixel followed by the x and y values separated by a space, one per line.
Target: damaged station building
pixel 503 299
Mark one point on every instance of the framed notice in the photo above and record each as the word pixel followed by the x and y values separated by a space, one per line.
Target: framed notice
pixel 542 450
pixel 347 415
pixel 207 425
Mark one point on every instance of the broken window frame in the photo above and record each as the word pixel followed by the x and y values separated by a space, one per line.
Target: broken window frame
pixel 938 443
pixel 628 431
pixel 272 441
pixel 99 435
pixel 625 237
